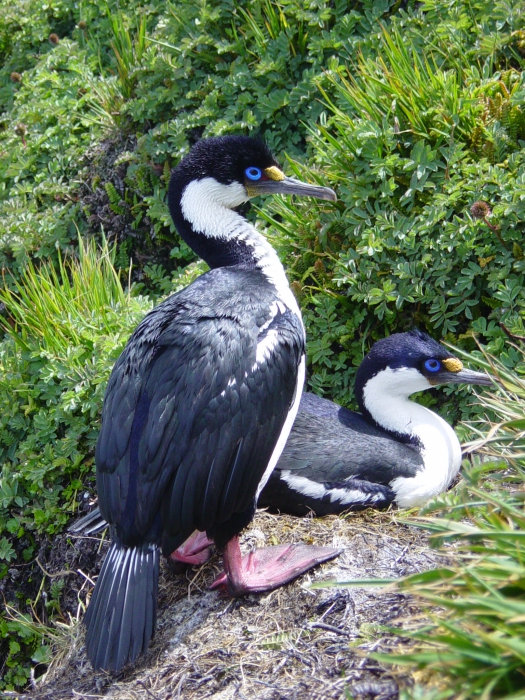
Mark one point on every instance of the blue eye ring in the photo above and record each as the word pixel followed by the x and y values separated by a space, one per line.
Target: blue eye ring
pixel 253 173
pixel 432 365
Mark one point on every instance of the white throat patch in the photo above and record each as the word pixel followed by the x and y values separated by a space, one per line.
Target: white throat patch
pixel 208 206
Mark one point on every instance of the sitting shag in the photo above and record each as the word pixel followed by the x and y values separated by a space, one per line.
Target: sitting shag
pixel 393 451
pixel 200 403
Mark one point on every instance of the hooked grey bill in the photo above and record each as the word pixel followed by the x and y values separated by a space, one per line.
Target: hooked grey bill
pixel 466 376
pixel 289 185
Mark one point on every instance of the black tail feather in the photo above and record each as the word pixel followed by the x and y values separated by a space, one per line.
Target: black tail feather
pixel 90 524
pixel 121 616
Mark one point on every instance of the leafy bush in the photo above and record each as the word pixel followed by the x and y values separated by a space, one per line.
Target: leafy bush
pixel 45 139
pixel 60 95
pixel 413 111
pixel 233 67
pixel 426 154
pixel 154 85
pixel 65 328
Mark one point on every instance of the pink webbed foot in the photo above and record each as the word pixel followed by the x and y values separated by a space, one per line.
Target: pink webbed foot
pixel 195 551
pixel 268 568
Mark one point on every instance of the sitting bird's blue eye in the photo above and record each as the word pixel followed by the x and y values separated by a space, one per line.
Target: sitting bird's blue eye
pixel 433 365
pixel 253 173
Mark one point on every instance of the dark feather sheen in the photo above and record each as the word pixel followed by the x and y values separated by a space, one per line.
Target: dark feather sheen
pixel 201 410
pixel 188 409
pixel 196 402
pixel 338 448
pixel 345 446
pixel 121 614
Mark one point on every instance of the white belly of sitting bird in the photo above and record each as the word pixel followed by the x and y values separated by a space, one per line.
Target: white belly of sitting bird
pixel 386 397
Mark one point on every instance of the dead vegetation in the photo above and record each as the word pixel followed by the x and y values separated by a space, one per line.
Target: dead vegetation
pixel 291 644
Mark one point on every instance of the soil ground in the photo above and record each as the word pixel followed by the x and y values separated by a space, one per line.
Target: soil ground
pixel 295 643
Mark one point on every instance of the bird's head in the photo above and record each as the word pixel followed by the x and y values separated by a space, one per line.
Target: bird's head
pixel 405 363
pixel 232 169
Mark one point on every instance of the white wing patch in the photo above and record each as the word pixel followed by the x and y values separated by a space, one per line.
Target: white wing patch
pixel 276 308
pixel 314 489
pixel 265 347
pixel 270 341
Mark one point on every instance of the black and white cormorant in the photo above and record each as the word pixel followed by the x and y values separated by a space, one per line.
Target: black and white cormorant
pixel 393 451
pixel 335 460
pixel 200 403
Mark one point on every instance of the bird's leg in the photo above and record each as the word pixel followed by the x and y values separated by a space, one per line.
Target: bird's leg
pixel 195 551
pixel 267 568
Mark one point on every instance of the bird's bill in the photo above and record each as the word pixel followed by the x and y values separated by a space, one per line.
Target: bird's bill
pixel 289 185
pixel 466 376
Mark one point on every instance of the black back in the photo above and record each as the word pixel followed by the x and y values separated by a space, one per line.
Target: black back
pixel 329 443
pixel 190 420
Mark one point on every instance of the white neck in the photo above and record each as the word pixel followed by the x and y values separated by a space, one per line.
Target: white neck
pixel 208 206
pixel 386 398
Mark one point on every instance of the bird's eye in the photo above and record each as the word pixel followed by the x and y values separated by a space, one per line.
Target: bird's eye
pixel 433 365
pixel 253 173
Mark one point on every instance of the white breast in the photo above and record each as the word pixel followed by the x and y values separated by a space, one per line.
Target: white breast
pixel 386 397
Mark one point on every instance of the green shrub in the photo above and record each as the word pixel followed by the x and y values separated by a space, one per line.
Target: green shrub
pixel 413 111
pixel 429 225
pixel 45 140
pixel 233 67
pixel 149 88
pixel 65 330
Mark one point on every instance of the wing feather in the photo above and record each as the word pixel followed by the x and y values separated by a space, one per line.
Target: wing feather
pixel 213 411
pixel 325 450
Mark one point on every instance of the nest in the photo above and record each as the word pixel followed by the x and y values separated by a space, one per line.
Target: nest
pixel 292 643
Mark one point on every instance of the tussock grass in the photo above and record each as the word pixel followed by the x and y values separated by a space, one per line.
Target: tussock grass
pixel 505 435
pixel 64 325
pixel 53 306
pixel 473 645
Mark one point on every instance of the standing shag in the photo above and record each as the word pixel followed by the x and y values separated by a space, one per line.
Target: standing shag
pixel 200 403
pixel 393 451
